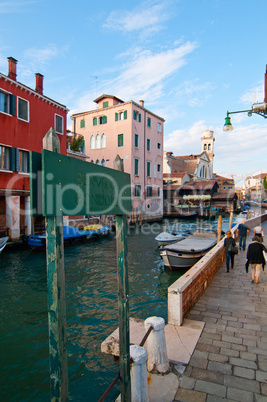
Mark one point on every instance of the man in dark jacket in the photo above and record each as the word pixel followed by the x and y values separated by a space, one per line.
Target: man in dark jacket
pixel 243 232
pixel 255 258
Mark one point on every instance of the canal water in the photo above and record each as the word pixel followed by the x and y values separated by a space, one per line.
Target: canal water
pixel 92 312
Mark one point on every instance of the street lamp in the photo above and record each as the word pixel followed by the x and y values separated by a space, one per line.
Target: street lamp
pixel 257 108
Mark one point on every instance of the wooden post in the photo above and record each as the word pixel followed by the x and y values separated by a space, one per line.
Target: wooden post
pixel 56 294
pixel 219 230
pixel 231 220
pixel 123 291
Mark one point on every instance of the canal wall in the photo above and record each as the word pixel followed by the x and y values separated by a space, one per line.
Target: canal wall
pixel 185 292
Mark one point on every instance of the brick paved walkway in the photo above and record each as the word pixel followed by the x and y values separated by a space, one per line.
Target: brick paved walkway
pixel 230 359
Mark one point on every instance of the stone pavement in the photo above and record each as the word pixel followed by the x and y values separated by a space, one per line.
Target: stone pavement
pixel 230 358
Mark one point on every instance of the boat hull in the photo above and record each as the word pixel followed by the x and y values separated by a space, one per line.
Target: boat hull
pixel 3 242
pixel 180 260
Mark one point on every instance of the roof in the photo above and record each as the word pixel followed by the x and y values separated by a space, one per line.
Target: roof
pixel 32 91
pixel 199 185
pixel 224 196
pixel 108 96
pixel 174 174
pixel 257 176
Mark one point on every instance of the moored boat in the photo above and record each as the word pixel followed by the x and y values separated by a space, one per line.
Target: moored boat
pixel 185 253
pixel 3 242
pixel 71 235
pixel 165 238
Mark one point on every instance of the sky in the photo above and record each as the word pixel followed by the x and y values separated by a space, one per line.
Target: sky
pixel 191 61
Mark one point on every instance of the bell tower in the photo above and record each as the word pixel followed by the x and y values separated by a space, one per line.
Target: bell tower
pixel 208 145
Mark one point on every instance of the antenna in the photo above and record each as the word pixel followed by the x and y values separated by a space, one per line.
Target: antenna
pixel 96 81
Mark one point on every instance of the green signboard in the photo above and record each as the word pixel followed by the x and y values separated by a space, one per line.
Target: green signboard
pixel 74 187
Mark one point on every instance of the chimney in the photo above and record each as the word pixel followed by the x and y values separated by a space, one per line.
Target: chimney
pixel 265 87
pixel 39 83
pixel 142 103
pixel 12 68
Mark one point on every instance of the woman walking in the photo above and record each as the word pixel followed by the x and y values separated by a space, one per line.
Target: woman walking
pixel 229 242
pixel 255 258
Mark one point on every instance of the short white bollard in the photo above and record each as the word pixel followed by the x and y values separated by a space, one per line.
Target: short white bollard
pixel 139 391
pixel 156 345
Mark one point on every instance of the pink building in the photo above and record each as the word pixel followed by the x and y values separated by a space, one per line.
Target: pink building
pixel 134 133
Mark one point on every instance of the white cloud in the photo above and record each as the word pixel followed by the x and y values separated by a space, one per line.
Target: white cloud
pixel 143 76
pixel 185 141
pixel 8 7
pixel 37 58
pixel 254 95
pixel 146 17
pixel 194 93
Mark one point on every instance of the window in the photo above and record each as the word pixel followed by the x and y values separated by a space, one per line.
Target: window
pixel 148 145
pixel 158 145
pixel 98 141
pixel 121 115
pixel 209 147
pixel 92 142
pixel 158 168
pixel 82 123
pixel 149 191
pixel 103 162
pixel 97 162
pixel 136 167
pixel 136 141
pixel 205 147
pixel 103 141
pixel 137 190
pixel 137 116
pixel 23 161
pixel 148 122
pixel 105 104
pixel 120 140
pixel 4 158
pixel 158 192
pixel 148 168
pixel 7 103
pixel 59 124
pixel 99 120
pixel 159 127
pixel 23 109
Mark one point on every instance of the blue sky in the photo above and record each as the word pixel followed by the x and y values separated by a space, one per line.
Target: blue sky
pixel 189 60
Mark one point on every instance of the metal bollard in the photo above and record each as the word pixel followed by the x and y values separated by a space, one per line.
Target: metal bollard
pixel 156 346
pixel 139 391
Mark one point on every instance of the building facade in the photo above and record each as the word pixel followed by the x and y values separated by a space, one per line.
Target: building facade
pixel 135 134
pixel 254 187
pixel 26 115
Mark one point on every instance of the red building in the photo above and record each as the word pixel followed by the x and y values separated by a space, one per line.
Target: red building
pixel 26 115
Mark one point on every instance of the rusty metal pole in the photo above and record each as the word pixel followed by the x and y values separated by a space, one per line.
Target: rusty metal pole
pixel 123 300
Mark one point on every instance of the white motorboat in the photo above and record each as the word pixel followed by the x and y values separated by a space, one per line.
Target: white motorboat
pixel 185 253
pixel 165 238
pixel 3 242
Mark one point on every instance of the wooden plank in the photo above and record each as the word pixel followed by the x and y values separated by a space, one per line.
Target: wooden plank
pixel 123 300
pixel 75 187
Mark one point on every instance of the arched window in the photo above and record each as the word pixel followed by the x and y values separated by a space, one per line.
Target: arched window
pixel 98 141
pixel 97 162
pixel 92 142
pixel 205 147
pixel 103 140
pixel 103 162
pixel 209 147
pixel 92 161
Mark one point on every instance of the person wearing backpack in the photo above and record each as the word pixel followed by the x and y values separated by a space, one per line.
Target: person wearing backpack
pixel 229 242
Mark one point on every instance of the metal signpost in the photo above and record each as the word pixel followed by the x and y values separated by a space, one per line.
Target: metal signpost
pixel 69 186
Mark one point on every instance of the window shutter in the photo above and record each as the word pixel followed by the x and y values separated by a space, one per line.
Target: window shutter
pixel 12 105
pixel 12 160
pixel 139 117
pixel 104 119
pixel 28 162
pixel 82 124
pixel 134 114
pixel 17 159
pixel 94 121
pixel 116 116
pixel 105 104
pixel 125 114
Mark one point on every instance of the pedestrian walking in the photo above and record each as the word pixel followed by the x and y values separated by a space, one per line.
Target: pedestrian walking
pixel 229 245
pixel 243 232
pixel 258 231
pixel 255 258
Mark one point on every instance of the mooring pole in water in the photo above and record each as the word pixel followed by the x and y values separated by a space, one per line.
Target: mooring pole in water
pixel 219 229
pixel 231 220
pixel 56 293
pixel 123 296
